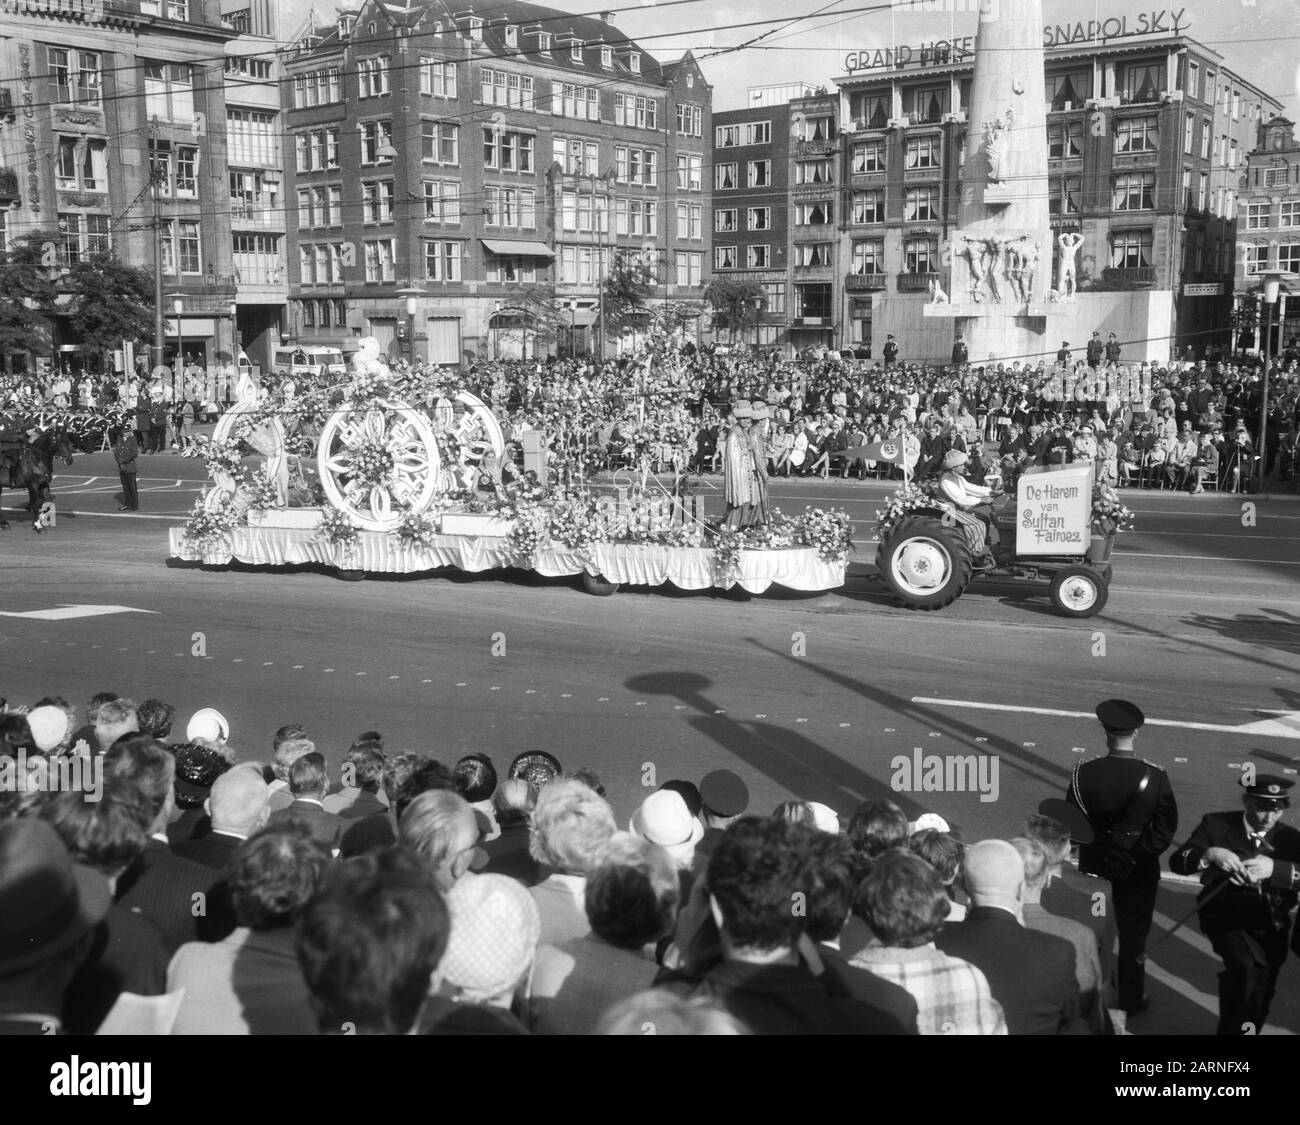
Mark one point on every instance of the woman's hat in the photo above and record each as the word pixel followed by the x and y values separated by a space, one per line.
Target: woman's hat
pixel 208 724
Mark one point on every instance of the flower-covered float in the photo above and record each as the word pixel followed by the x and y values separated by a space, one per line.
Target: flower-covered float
pixel 404 470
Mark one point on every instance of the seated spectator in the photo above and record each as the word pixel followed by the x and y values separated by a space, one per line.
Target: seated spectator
pixel 508 854
pixel 659 1012
pixel 1087 957
pixel 249 983
pixel 663 818
pixel 86 734
pixel 875 827
pixel 286 751
pixel 129 952
pixel 943 852
pixel 51 906
pixel 631 902
pixel 308 783
pixel 439 826
pixel 476 779
pixel 406 776
pixel 238 808
pixel 494 932
pixel 156 719
pixel 363 774
pixel 762 979
pixel 724 798
pixel 1032 974
pixel 114 718
pixel 904 903
pixel 571 827
pixel 369 944
pixel 197 767
pixel 51 721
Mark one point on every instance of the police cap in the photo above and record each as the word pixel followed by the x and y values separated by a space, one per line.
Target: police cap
pixel 1119 716
pixel 1269 788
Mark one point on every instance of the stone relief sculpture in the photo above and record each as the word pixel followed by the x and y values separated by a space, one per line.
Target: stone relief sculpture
pixel 1066 276
pixel 997 142
pixel 937 295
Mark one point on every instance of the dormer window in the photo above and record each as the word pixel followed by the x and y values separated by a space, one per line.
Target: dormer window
pixel 346 24
pixel 544 42
pixel 634 61
pixel 370 27
pixel 476 28
pixel 512 35
pixel 690 81
pixel 607 57
pixel 575 50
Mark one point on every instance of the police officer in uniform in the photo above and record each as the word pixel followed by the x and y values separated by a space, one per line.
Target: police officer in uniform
pixel 891 351
pixel 1130 805
pixel 960 353
pixel 1250 871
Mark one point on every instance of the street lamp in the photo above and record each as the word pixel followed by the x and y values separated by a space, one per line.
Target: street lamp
pixel 1272 284
pixel 412 293
pixel 573 327
pixel 178 307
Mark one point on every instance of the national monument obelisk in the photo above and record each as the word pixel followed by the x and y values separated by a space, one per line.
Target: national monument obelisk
pixel 1001 257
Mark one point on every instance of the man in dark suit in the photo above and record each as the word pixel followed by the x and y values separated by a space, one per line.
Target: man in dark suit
pixel 1031 974
pixel 1130 805
pixel 1250 871
pixel 308 783
pixel 1096 349
pixel 238 809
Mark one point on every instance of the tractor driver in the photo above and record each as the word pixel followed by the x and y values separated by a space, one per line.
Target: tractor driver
pixel 970 498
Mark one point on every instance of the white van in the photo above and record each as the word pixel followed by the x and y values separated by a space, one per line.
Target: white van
pixel 296 361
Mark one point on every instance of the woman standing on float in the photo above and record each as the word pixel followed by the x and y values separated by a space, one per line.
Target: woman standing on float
pixel 743 472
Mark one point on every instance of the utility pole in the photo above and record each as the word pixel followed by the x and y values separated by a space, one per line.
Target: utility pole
pixel 158 338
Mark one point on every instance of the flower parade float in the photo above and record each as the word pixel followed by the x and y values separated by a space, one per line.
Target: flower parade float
pixel 404 471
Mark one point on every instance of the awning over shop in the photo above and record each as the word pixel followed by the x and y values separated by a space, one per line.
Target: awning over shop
pixel 517 248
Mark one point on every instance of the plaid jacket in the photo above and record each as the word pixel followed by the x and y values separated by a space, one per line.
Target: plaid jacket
pixel 952 996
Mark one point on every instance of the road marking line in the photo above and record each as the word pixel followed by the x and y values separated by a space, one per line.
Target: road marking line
pixel 1269 728
pixel 1206 558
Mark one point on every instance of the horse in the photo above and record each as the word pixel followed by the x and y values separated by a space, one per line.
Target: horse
pixel 31 467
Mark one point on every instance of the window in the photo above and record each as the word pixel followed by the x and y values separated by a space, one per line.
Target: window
pixel 726 136
pixel 1288 256
pixel 544 42
pixel 724 220
pixel 377 201
pixel 922 152
pixel 1202 191
pixel 813 301
pixel 578 157
pixel 758 257
pixel 868 207
pixel 689 268
pixel 1068 91
pixel 317 87
pixel 512 36
pixel 318 151
pixel 724 258
pixel 1189 132
pixel 634 62
pixel 575 50
pixel 690 120
pixel 1064 196
pixel 813 214
pixel 921 255
pixel 569 100
pixel 442 202
pixel 581 265
pixel 633 166
pixel 869 156
pixel 759 218
pixel 1187 189
pixel 505 271
pixel 724 177
pixel 1276 177
pixel 774 297
pixel 636 217
pixel 504 87
pixel 1137 134
pixel 320 206
pixel 1290 214
pixel 187 246
pixel 921 204
pixel 187 170
pixel 814 171
pixel 475 29
pixel 1232 154
pixel 168 91
pixel 379 255
pixel 81 235
pixel 439 142
pixel 636 112
pixel 1065 140
pixel 690 172
pixel 1257 216
pixel 252 137
pixel 689 220
pixel 372 77
pixel 819 128
pixel 607 57
pixel 173 9
pixel 1135 192
pixel 1141 82
pixel 1130 249
pixel 584 212
pixel 1193 84
pixel 510 207
pixel 812 254
pixel 76 76
pixel 758 133
pixel 760 173
pixel 870 111
pixel 437 78
pixel 1256 259
pixel 868 258
pixel 925 104
pixel 374 136
pixel 507 150
pixel 82 164
pixel 1236 105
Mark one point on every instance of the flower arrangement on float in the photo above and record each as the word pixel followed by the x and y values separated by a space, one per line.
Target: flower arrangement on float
pixel 1109 514
pixel 208 525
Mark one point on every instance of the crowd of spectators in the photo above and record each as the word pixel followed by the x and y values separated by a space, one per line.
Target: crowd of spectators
pixel 1183 425
pixel 205 890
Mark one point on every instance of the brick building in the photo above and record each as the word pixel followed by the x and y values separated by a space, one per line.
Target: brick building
pixel 475 172
pixel 1269 228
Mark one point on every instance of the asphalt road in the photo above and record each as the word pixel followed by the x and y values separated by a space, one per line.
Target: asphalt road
pixel 814 696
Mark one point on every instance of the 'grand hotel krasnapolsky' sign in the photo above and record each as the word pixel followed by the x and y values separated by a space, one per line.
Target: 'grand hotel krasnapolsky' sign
pixel 958 50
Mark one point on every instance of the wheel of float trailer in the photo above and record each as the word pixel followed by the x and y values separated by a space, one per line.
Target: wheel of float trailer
pixel 598 585
pixel 1078 591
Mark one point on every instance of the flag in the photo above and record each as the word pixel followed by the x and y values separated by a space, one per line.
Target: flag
pixel 890 450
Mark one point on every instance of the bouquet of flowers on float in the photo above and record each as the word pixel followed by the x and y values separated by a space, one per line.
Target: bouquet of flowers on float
pixel 830 530
pixel 1108 511
pixel 222 457
pixel 209 525
pixel 416 531
pixel 903 501
pixel 338 531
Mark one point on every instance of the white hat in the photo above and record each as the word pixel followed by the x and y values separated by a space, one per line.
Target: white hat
pixel 928 820
pixel 209 725
pixel 49 726
pixel 495 927
pixel 825 818
pixel 664 819
pixel 953 458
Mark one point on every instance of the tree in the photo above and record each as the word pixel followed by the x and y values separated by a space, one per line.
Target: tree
pixel 629 284
pixel 735 303
pixel 27 291
pixel 109 302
